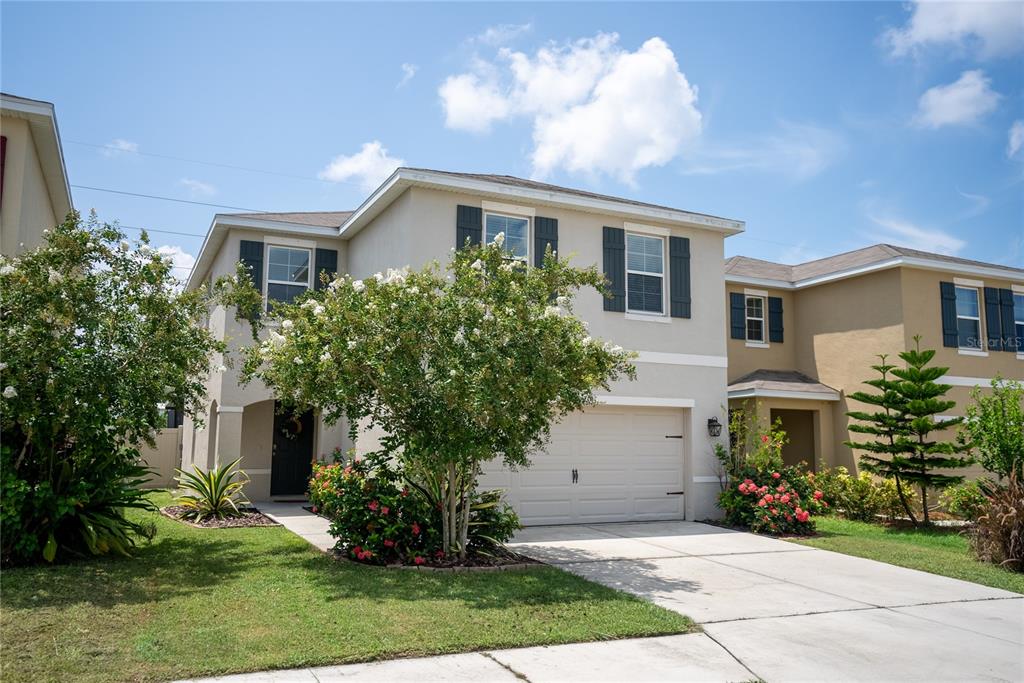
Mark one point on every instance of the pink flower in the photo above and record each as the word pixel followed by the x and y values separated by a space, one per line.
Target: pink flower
pixel 784 499
pixel 415 529
pixel 803 516
pixel 373 506
pixel 818 495
pixel 780 488
pixel 388 543
pixel 742 488
pixel 405 492
pixel 418 560
pixel 769 498
pixel 775 475
pixel 762 503
pixel 384 510
pixel 764 438
pixel 774 511
pixel 439 554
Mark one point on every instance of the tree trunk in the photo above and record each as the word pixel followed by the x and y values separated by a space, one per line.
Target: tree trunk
pixel 468 486
pixel 452 530
pixel 903 499
pixel 924 504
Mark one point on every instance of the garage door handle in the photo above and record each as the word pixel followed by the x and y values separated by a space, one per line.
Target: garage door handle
pixel 675 493
pixel 674 436
pixel 575 475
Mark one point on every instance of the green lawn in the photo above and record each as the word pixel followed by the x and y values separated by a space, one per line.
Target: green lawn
pixel 939 551
pixel 208 601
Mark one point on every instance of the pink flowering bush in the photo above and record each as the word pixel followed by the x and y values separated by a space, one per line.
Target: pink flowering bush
pixel 774 502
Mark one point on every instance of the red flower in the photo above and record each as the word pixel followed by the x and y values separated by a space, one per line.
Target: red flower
pixel 774 511
pixel 357 550
pixel 384 510
pixel 373 506
pixel 825 503
pixel 818 495
pixel 743 488
pixel 439 554
pixel 780 488
pixel 803 516
pixel 769 498
pixel 775 475
pixel 314 509
pixel 764 438
pixel 789 518
pixel 762 503
pixel 388 543
pixel 418 560
pixel 405 492
pixel 784 499
pixel 415 529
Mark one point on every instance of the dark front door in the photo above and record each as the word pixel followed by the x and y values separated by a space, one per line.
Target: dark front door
pixel 292 461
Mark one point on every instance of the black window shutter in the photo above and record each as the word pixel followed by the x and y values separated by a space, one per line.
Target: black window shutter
pixel 737 315
pixel 947 290
pixel 615 268
pixel 469 225
pixel 679 276
pixel 326 261
pixel 992 326
pixel 545 234
pixel 1008 332
pixel 251 254
pixel 775 319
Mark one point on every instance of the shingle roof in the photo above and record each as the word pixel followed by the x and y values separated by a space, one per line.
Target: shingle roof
pixel 782 380
pixel 749 267
pixel 514 181
pixel 325 219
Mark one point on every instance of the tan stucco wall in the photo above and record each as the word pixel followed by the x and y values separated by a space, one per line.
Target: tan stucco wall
pixel 26 209
pixel 822 445
pixel 745 359
pixel 163 458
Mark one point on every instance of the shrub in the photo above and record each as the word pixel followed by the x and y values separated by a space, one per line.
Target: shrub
pixel 998 535
pixel 773 501
pixel 96 334
pixel 325 488
pixel 860 497
pixel 492 521
pixel 213 494
pixel 966 501
pixel 994 427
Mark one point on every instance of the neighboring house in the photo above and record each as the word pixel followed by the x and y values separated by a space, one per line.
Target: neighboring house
pixel 803 338
pixel 644 453
pixel 34 191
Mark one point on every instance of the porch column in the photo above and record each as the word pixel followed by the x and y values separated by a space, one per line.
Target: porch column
pixel 229 435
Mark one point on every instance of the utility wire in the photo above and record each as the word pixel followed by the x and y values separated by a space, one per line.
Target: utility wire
pixel 167 199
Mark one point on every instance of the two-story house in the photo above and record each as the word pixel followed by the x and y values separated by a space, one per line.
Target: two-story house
pixel 645 452
pixel 802 338
pixel 34 191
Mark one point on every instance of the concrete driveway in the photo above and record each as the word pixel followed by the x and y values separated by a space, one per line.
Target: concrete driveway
pixel 790 613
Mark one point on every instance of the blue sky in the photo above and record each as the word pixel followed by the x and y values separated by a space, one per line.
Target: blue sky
pixel 824 126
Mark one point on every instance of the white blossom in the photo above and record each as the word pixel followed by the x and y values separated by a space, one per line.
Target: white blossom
pixel 6 269
pixel 476 331
pixel 358 286
pixel 507 266
pixel 10 392
pixel 499 239
pixel 562 301
pixel 287 325
pixel 352 343
pixel 477 265
pixel 488 315
pixel 297 360
pixel 379 277
pixel 124 246
pixel 460 336
pixel 453 373
pixel 55 277
pixel 586 341
pixel 552 311
pixel 318 310
pixel 3 366
pixel 325 356
pixel 335 284
pixel 220 368
pixel 276 340
pixel 308 303
pixel 413 290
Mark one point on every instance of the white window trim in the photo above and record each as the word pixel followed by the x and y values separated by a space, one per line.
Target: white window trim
pixel 648 315
pixel 511 214
pixel 514 209
pixel 964 282
pixel 286 243
pixel 761 343
pixel 653 230
pixel 970 350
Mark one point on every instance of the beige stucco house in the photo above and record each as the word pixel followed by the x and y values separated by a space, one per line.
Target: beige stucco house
pixel 644 453
pixel 802 338
pixel 34 191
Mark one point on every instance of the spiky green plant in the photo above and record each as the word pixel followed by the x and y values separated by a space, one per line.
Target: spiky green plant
pixel 212 494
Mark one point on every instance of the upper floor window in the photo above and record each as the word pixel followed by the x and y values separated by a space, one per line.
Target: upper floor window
pixel 968 318
pixel 516 229
pixel 288 272
pixel 755 319
pixel 645 274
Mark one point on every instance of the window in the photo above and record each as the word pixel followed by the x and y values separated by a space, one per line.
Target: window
pixel 755 319
pixel 968 318
pixel 517 233
pixel 287 273
pixel 1018 317
pixel 645 274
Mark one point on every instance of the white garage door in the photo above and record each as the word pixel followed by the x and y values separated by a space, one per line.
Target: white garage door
pixel 625 469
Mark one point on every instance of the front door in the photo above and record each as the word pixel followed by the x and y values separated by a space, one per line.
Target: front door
pixel 292 461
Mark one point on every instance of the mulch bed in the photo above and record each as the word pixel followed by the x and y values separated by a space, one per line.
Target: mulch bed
pixel 250 517
pixel 721 524
pixel 502 560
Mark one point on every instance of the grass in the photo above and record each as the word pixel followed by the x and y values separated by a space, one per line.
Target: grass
pixel 939 551
pixel 210 601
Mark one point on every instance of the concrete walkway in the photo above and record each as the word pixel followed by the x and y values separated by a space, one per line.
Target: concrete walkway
pixel 770 609
pixel 301 522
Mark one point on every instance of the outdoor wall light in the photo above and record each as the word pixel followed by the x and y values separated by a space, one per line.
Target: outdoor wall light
pixel 714 427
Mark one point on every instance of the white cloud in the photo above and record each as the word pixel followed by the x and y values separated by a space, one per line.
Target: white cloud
pixel 906 234
pixel 181 260
pixel 1015 138
pixel 595 107
pixel 991 29
pixel 962 102
pixel 408 71
pixel 370 166
pixel 797 151
pixel 198 188
pixel 119 146
pixel 798 253
pixel 501 34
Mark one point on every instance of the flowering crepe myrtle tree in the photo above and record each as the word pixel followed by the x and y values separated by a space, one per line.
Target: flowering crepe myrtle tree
pixel 457 369
pixel 96 337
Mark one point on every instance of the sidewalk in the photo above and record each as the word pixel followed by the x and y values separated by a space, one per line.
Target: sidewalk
pixel 691 657
pixel 301 522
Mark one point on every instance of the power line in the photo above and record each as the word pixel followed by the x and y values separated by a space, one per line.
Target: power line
pixel 167 199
